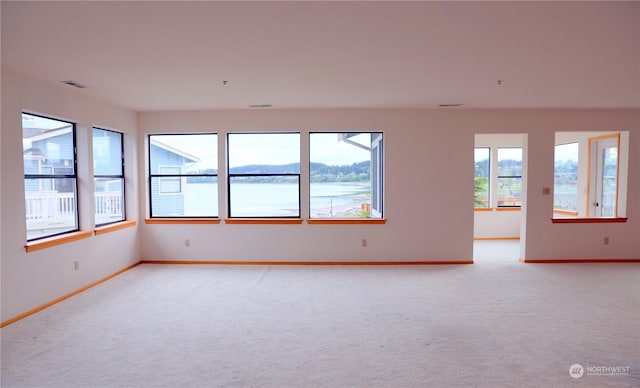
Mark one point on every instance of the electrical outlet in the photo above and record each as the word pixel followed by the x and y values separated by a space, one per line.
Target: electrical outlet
pixel 76 265
pixel 187 242
pixel 364 242
pixel 606 241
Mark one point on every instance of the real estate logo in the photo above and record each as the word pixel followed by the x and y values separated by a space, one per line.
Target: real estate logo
pixel 576 371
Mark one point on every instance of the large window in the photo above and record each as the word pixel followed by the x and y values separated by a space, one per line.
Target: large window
pixel 509 177
pixel 264 175
pixel 108 176
pixel 482 181
pixel 183 175
pixel 346 175
pixel 565 185
pixel 50 182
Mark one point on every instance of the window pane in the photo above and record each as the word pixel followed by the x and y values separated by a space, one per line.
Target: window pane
pixel 509 176
pixel 273 196
pixel 109 200
pixel 481 192
pixel 509 191
pixel 341 184
pixel 183 171
pixel 49 153
pixel 264 174
pixel 249 153
pixel 609 181
pixel 47 143
pixel 107 152
pixel 187 154
pixel 565 185
pixel 50 206
pixel 191 196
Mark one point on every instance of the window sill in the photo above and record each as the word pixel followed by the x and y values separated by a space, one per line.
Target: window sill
pixel 508 209
pixel 113 227
pixel 565 212
pixel 258 221
pixel 182 221
pixel 602 220
pixel 57 240
pixel 361 221
pixel 482 209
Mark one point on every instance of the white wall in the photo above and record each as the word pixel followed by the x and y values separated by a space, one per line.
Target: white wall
pixel 32 279
pixel 428 188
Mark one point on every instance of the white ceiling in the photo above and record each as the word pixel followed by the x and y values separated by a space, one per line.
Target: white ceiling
pixel 175 55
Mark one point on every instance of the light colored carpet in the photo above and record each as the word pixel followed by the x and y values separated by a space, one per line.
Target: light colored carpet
pixel 491 324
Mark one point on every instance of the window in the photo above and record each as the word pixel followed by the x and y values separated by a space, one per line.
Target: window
pixel 509 177
pixel 50 182
pixel 346 175
pixel 108 176
pixel 482 182
pixel 591 175
pixel 264 175
pixel 183 175
pixel 565 182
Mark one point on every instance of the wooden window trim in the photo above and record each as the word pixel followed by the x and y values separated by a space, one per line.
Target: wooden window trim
pixel 262 221
pixel 591 220
pixel 482 209
pixel 565 212
pixel 57 240
pixel 182 221
pixel 113 227
pixel 334 221
pixel 508 209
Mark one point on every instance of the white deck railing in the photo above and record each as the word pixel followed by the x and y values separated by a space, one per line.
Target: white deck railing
pixel 52 209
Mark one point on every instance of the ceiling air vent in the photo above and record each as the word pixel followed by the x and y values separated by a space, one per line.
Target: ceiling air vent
pixel 74 84
pixel 449 105
pixel 260 106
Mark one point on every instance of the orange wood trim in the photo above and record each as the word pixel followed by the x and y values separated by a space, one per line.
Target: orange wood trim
pixel 113 227
pixel 495 238
pixel 592 220
pixel 57 240
pixel 261 221
pixel 182 221
pixel 363 221
pixel 482 209
pixel 578 261
pixel 240 262
pixel 565 212
pixel 67 296
pixel 508 209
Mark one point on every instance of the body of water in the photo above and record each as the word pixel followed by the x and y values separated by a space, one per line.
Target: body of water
pixel 276 199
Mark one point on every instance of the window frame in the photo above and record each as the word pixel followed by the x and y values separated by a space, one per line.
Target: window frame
pixel 556 210
pixel 498 176
pixel 230 176
pixel 489 182
pixel 119 177
pixel 182 176
pixel 53 177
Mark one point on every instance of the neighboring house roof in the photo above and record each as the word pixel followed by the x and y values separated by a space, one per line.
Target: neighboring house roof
pixel 176 151
pixel 27 141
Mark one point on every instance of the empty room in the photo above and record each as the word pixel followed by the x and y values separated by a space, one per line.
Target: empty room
pixel 320 194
